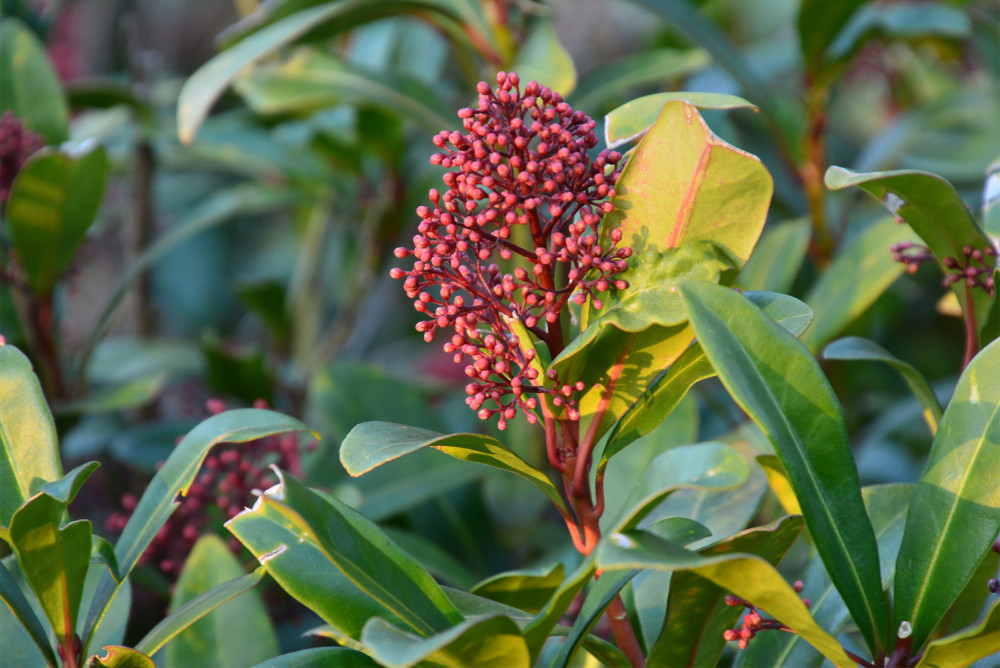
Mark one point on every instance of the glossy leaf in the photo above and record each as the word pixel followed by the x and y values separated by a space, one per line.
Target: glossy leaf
pixel 117 656
pixel 174 477
pixel 671 386
pixel 933 208
pixel 777 382
pixel 311 80
pixel 777 257
pixel 297 534
pixel 954 515
pixel 703 465
pixel 12 595
pixel 30 86
pixel 857 277
pixel 633 119
pixel 539 628
pixel 600 596
pixel 965 647
pixel 209 640
pixel 886 506
pixel 544 59
pixel 51 206
pixel 372 444
pixel 493 642
pixel 527 590
pixel 320 657
pixel 777 479
pixel 857 348
pixel 696 612
pixel 748 576
pixel 29 450
pixel 654 66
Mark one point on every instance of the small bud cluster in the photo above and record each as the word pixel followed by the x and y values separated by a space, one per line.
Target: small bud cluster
pixel 521 161
pixel 910 254
pixel 980 276
pixel 228 477
pixel 17 143
pixel 753 622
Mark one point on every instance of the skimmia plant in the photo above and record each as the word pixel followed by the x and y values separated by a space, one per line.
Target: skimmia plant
pixel 586 293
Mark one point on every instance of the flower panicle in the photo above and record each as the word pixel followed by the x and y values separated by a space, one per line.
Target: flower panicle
pixel 520 170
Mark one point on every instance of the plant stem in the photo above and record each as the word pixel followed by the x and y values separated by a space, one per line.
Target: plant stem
pixel 621 627
pixel 811 173
pixel 971 331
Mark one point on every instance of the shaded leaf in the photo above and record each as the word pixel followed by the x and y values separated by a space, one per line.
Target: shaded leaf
pixel 30 86
pixel 539 628
pixel 493 642
pixel 320 657
pixel 117 656
pixel 633 119
pixel 526 590
pixel 965 647
pixel 819 24
pixel 903 20
pixel 777 257
pixel 544 59
pixel 777 382
pixel 600 596
pixel 52 204
pixel 12 595
pixel 954 514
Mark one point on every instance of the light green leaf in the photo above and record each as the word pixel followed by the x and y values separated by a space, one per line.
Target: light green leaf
pixel 311 80
pixel 12 595
pixel 696 612
pixel 117 656
pixel 653 66
pixel 748 576
pixel 544 59
pixel 527 590
pixel 29 450
pixel 777 257
pixel 965 647
pixel 29 86
pixel 298 535
pixel 320 657
pixel 493 642
pixel 174 477
pixel 933 208
pixel 103 552
pixel 777 382
pixel 52 204
pixel 858 275
pixel 633 119
pixel 857 348
pixel 372 444
pixel 954 515
pixel 209 640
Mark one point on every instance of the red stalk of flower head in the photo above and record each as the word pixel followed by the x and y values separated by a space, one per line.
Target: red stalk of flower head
pixel 522 161
pixel 17 143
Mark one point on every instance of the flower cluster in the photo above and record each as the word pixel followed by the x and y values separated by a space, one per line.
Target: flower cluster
pixel 228 477
pixel 911 255
pixel 16 144
pixel 752 620
pixel 976 269
pixel 523 191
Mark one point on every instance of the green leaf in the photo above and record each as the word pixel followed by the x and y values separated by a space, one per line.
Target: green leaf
pixel 819 24
pixel 857 276
pixel 12 595
pixel 991 200
pixel 133 394
pixel 544 59
pixel 633 119
pixel 437 559
pixel 696 611
pixel 209 640
pixel 118 656
pixel 372 444
pixel 777 257
pixel 777 382
pixel 914 20
pixel 886 505
pixel 857 348
pixel 654 66
pixel 320 657
pixel 933 208
pixel 174 477
pixel 965 647
pixel 954 515
pixel 493 642
pixel 600 596
pixel 267 299
pixel 29 86
pixel 748 576
pixel 311 80
pixel 672 385
pixel 527 590
pixel 297 535
pixel 702 465
pixel 52 204
pixel 103 552
pixel 29 450
pixel 538 629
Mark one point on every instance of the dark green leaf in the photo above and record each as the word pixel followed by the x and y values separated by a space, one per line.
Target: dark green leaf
pixel 600 596
pixel 297 535
pixel 51 206
pixel 913 20
pixel 539 628
pixel 777 382
pixel 527 590
pixel 29 86
pixel 493 642
pixel 633 119
pixel 320 657
pixel 12 595
pixel 954 515
pixel 241 373
pixel 857 348
pixel 965 647
pixel 445 567
pixel 267 300
pixel 30 452
pixel 819 24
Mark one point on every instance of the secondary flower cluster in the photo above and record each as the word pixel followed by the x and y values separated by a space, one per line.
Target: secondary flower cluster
pixel 753 622
pixel 16 144
pixel 524 191
pixel 975 268
pixel 227 479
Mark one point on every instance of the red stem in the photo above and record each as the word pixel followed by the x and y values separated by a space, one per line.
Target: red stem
pixel 971 331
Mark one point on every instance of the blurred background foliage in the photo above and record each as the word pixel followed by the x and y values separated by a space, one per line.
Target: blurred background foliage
pixel 264 159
